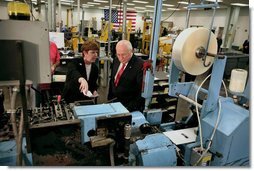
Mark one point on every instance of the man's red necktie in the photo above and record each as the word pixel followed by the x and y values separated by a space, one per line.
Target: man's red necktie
pixel 119 75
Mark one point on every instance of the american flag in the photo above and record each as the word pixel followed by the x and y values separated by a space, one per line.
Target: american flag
pixel 117 18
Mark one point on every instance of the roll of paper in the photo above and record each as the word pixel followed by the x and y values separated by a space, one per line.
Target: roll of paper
pixel 238 80
pixel 185 47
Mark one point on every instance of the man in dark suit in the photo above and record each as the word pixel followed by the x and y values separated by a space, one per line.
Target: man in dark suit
pixel 125 85
pixel 82 75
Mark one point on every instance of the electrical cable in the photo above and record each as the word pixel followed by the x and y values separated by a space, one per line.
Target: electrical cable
pixel 200 128
pixel 213 133
pixel 199 123
pixel 172 13
pixel 226 90
pixel 31 10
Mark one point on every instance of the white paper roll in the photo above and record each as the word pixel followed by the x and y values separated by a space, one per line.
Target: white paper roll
pixel 185 46
pixel 238 80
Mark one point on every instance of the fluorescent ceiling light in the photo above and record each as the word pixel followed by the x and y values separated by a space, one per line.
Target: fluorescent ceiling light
pixel 139 7
pixel 150 6
pixel 87 5
pixel 101 1
pixel 167 5
pixel 35 1
pixel 149 11
pixel 93 3
pixel 102 8
pixel 182 2
pixel 130 4
pixel 141 2
pixel 67 1
pixel 215 0
pixel 173 9
pixel 191 8
pixel 239 4
pixel 116 5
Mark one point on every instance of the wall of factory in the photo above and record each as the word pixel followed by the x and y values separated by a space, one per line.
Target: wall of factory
pixel 203 18
pixel 197 18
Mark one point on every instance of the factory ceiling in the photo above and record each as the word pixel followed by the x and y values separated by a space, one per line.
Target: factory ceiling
pixel 148 5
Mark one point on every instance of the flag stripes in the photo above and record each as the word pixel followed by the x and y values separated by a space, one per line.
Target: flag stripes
pixel 117 18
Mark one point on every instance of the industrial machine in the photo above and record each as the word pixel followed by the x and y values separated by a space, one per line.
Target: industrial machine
pixel 146 36
pixel 18 10
pixel 104 30
pixel 213 115
pixel 215 133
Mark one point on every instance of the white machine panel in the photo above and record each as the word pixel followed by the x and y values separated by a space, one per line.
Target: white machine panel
pixel 182 136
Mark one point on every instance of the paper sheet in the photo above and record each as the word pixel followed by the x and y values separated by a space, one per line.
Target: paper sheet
pixel 89 94
pixel 182 136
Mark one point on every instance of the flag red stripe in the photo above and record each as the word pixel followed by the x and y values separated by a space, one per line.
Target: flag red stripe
pixel 130 15
pixel 122 22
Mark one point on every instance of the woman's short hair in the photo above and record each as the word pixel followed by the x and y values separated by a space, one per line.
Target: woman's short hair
pixel 89 45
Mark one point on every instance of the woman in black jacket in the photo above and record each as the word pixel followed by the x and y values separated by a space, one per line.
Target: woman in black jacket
pixel 82 75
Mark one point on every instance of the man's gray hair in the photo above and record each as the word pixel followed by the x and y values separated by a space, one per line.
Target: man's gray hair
pixel 125 43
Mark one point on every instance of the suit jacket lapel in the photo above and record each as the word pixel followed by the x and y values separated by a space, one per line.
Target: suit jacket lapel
pixel 128 67
pixel 83 66
pixel 116 66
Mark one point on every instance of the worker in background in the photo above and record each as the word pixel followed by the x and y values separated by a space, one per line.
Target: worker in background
pixel 125 85
pixel 246 46
pixel 219 43
pixel 54 57
pixel 82 75
pixel 164 32
pixel 139 32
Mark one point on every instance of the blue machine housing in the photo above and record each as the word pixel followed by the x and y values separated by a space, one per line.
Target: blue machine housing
pixel 231 140
pixel 8 155
pixel 88 114
pixel 154 150
pixel 137 120
pixel 230 144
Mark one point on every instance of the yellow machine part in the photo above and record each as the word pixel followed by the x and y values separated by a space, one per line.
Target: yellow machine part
pixel 75 43
pixel 129 29
pixel 104 32
pixel 75 38
pixel 146 36
pixel 166 48
pixel 166 44
pixel 18 10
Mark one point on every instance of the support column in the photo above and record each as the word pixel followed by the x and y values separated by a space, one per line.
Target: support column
pixel 124 34
pixel 231 21
pixel 149 79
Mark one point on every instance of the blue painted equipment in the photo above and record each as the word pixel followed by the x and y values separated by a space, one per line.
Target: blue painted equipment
pixel 230 143
pixel 88 114
pixel 154 150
